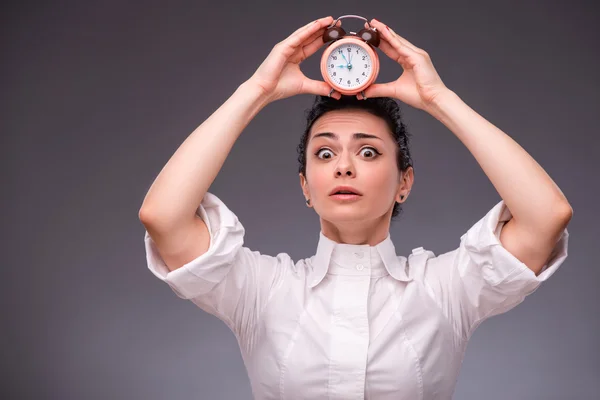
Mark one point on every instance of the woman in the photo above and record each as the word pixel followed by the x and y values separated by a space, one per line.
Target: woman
pixel 355 320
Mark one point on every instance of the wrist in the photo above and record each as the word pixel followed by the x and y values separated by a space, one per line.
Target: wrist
pixel 440 104
pixel 255 92
pixel 247 100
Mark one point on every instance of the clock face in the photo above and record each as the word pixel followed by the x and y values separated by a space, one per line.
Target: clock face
pixel 349 65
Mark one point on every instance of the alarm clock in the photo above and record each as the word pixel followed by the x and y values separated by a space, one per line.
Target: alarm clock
pixel 350 64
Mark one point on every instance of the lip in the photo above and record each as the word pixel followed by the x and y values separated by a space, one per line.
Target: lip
pixel 345 197
pixel 345 188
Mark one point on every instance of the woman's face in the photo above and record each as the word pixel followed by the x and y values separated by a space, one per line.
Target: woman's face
pixel 355 162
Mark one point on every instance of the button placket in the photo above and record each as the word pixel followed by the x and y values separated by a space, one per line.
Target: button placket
pixel 359 255
pixel 349 338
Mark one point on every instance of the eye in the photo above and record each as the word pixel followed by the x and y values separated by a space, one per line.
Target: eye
pixel 319 152
pixel 372 150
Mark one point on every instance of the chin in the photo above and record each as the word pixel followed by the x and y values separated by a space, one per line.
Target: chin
pixel 350 214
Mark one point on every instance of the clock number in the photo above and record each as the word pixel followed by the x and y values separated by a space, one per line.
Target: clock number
pixel 362 74
pixel 334 74
pixel 334 57
pixel 349 49
pixel 331 65
pixel 340 80
pixel 366 65
pixel 357 81
pixel 364 58
pixel 348 81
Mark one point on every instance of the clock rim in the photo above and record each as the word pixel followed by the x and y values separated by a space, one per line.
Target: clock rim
pixel 367 47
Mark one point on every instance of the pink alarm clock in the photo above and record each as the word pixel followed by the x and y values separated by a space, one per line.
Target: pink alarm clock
pixel 350 64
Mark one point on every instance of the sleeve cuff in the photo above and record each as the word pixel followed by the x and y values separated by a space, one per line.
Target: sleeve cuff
pixel 204 272
pixel 483 242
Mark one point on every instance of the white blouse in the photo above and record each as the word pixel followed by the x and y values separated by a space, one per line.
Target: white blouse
pixel 353 321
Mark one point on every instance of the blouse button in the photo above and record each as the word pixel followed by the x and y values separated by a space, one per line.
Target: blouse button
pixel 359 267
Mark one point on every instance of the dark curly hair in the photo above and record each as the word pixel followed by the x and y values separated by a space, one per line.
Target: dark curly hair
pixel 383 107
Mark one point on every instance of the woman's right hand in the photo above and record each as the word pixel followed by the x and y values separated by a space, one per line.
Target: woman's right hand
pixel 279 75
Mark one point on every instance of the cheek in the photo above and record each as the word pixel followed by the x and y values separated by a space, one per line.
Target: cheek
pixel 319 183
pixel 316 176
pixel 381 176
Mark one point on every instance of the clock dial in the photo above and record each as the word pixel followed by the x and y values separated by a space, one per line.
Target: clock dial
pixel 349 65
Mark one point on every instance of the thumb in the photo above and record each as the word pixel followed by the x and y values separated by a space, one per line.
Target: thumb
pixel 379 90
pixel 312 86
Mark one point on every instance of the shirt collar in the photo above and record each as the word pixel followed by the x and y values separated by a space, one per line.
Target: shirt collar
pixel 343 258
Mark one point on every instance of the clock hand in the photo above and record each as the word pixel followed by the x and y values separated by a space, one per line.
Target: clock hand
pixel 345 58
pixel 341 66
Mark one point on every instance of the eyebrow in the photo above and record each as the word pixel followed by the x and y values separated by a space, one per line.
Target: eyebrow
pixel 355 136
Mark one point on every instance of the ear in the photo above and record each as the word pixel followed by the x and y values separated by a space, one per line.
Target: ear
pixel 304 186
pixel 405 184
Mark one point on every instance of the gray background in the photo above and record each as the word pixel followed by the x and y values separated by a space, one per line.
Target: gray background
pixel 96 96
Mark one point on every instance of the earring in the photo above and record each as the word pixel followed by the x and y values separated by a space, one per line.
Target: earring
pixel 402 197
pixel 308 202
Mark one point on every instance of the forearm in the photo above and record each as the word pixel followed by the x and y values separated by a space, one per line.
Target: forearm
pixel 182 183
pixel 530 194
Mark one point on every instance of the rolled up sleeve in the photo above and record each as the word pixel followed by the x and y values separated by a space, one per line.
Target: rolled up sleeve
pixel 482 278
pixel 229 280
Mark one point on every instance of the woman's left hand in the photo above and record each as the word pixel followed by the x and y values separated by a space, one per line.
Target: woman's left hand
pixel 419 84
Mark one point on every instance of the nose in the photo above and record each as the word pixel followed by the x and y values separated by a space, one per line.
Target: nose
pixel 345 166
pixel 344 170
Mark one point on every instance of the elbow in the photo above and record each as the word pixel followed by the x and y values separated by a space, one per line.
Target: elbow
pixel 562 218
pixel 566 212
pixel 145 215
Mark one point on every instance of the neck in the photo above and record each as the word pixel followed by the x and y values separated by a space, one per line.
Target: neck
pixel 357 232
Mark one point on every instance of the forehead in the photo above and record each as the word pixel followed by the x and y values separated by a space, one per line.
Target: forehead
pixel 346 122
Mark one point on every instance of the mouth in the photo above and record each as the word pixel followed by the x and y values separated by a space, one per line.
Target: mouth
pixel 344 189
pixel 345 196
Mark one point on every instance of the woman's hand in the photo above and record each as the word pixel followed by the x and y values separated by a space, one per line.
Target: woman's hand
pixel 419 84
pixel 279 75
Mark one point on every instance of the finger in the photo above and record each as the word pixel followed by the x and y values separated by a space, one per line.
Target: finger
pixel 298 37
pixel 392 37
pixel 392 53
pixel 312 86
pixel 383 27
pixel 317 34
pixel 392 46
pixel 386 47
pixel 405 58
pixel 303 27
pixel 380 90
pixel 311 48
